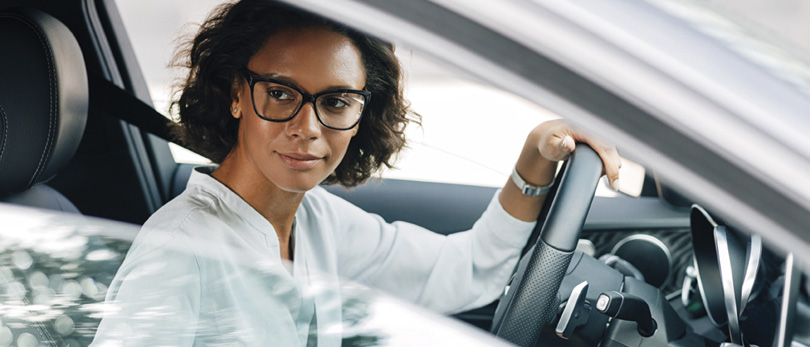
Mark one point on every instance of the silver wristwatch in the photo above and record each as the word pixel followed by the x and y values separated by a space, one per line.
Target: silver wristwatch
pixel 528 189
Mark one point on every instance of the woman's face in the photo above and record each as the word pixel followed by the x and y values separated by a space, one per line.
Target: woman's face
pixel 298 154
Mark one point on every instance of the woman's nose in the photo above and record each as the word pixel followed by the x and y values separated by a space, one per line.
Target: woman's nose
pixel 305 124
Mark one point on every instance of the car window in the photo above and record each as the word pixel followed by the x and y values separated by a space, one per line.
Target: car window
pixel 56 270
pixel 455 107
pixel 153 28
pixel 54 273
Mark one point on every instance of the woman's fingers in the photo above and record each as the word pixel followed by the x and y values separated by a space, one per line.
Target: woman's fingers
pixel 559 148
pixel 612 163
pixel 568 144
pixel 561 139
pixel 556 140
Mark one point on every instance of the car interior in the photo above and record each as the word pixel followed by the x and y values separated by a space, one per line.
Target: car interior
pixel 73 142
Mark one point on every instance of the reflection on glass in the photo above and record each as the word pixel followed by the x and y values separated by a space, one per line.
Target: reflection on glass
pixel 47 285
pixel 355 311
pixel 54 279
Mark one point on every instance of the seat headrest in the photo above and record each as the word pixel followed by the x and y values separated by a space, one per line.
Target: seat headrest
pixel 43 98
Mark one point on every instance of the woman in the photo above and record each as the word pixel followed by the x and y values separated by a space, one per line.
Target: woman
pixel 285 100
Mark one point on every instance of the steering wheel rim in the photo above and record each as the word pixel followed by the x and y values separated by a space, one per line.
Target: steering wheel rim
pixel 531 302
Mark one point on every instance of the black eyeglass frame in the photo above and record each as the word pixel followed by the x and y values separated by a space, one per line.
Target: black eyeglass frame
pixel 252 79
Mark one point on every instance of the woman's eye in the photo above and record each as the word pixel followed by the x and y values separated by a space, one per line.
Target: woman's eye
pixel 336 103
pixel 279 94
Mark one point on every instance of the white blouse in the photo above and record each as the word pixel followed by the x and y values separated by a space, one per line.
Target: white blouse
pixel 206 269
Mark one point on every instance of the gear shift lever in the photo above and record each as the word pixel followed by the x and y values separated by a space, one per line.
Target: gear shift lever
pixel 627 307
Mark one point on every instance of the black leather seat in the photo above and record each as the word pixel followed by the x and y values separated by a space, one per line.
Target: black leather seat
pixel 43 106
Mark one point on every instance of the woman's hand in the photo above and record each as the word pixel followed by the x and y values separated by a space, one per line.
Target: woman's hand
pixel 547 144
pixel 556 139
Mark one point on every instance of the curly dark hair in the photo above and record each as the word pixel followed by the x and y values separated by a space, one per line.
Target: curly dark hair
pixel 221 49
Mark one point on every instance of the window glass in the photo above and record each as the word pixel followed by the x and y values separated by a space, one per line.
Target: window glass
pixel 56 271
pixel 155 28
pixel 456 108
pixel 456 111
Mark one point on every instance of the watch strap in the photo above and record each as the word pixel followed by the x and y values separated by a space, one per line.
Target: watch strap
pixel 528 189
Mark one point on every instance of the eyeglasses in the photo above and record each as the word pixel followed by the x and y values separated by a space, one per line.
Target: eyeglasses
pixel 278 101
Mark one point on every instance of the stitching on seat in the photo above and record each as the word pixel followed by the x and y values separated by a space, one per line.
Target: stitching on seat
pixel 51 90
pixel 5 132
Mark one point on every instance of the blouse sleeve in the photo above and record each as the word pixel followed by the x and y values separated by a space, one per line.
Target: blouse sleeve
pixel 448 274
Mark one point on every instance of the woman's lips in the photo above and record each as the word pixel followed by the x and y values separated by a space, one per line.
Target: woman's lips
pixel 298 161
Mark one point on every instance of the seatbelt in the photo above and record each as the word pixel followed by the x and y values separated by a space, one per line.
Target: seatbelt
pixel 109 99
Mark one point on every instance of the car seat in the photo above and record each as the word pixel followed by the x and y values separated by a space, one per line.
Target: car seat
pixel 43 106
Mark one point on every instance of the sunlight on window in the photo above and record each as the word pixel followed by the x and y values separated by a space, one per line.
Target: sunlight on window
pixel 470 134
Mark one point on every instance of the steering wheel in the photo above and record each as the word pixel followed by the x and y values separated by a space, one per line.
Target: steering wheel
pixel 531 302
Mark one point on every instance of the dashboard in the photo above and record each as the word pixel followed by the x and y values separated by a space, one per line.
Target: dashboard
pixel 740 283
pixel 725 284
pixel 656 238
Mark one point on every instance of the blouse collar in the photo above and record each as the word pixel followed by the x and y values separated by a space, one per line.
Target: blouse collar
pixel 201 177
